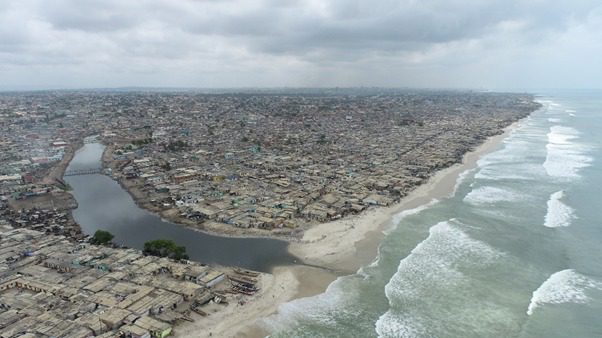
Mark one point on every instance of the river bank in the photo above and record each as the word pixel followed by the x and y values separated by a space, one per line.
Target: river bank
pixel 147 202
pixel 57 171
pixel 340 247
pixel 105 205
pixel 297 237
pixel 56 201
pixel 334 249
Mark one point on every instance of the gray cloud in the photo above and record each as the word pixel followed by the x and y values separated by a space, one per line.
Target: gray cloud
pixel 271 43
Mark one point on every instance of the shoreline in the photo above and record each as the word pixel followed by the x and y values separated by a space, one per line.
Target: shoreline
pixel 240 320
pixel 340 247
pixel 299 238
pixel 348 244
pixel 59 170
pixel 326 251
pixel 168 215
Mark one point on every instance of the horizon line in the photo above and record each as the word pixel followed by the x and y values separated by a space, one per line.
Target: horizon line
pixel 273 88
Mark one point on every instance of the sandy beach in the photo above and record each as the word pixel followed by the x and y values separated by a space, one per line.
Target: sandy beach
pixel 332 249
pixel 238 319
pixel 346 245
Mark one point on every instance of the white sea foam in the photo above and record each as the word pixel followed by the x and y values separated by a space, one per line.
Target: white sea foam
pixel 461 178
pixel 433 264
pixel 566 286
pixel 318 309
pixel 565 156
pixel 405 213
pixel 550 107
pixel 335 300
pixel 505 172
pixel 394 223
pixel 509 162
pixel 548 103
pixel 434 259
pixel 489 194
pixel 562 135
pixel 554 120
pixel 570 111
pixel 391 325
pixel 559 214
pixel 513 153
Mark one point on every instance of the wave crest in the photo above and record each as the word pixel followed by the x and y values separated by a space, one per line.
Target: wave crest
pixel 565 156
pixel 559 214
pixel 566 286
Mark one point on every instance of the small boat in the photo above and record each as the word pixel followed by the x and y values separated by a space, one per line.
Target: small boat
pixel 246 272
pixel 197 309
pixel 244 288
pixel 242 279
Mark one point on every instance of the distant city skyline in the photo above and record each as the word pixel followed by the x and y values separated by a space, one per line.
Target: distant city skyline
pixel 492 44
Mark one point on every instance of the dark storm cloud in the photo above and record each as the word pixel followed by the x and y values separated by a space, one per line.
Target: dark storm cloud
pixel 387 25
pixel 299 27
pixel 280 40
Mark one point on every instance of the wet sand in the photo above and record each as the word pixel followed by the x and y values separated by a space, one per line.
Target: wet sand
pixel 346 245
pixel 239 320
pixel 333 249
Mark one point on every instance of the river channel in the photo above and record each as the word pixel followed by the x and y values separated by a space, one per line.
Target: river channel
pixel 104 204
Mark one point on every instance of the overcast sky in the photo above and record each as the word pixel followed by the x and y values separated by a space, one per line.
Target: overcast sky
pixel 484 44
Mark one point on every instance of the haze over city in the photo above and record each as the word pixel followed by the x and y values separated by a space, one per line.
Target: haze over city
pixel 490 44
pixel 300 168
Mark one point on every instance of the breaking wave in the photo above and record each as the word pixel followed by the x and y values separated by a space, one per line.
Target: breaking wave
pixel 433 260
pixel 434 264
pixel 559 214
pixel 462 178
pixel 548 103
pixel 391 325
pixel 401 215
pixel 319 310
pixel 496 173
pixel 331 306
pixel 394 223
pixel 565 157
pixel 509 162
pixel 566 286
pixel 488 195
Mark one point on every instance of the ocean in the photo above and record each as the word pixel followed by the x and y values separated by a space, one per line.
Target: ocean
pixel 514 252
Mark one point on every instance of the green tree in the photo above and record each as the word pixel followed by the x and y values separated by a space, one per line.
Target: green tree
pixel 177 145
pixel 165 248
pixel 322 139
pixel 102 237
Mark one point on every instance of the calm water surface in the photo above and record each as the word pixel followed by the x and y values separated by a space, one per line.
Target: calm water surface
pixel 104 204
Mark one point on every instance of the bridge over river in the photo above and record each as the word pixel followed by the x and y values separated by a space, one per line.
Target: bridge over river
pixel 104 205
pixel 77 172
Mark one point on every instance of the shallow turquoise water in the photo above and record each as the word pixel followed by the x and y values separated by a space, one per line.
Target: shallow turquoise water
pixel 515 252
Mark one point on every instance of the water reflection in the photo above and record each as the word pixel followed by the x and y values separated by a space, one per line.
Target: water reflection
pixel 104 204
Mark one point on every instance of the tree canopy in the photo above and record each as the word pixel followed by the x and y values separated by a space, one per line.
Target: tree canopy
pixel 165 248
pixel 177 145
pixel 102 237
